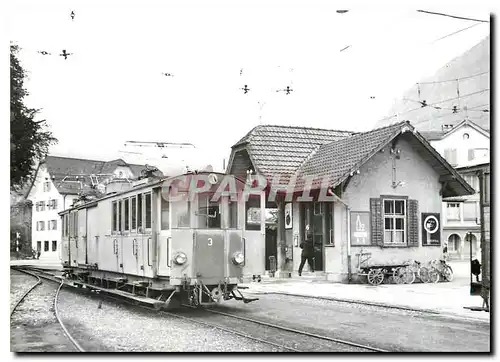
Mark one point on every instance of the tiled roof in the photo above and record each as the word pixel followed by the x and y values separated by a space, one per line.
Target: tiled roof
pixel 337 159
pixel 282 149
pixel 60 167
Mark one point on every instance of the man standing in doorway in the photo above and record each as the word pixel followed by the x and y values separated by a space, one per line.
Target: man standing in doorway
pixel 307 247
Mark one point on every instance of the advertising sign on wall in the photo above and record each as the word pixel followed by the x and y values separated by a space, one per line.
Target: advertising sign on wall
pixel 431 229
pixel 360 228
pixel 288 215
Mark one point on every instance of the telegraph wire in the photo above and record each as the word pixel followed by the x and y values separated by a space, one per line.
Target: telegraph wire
pixel 456 32
pixel 452 16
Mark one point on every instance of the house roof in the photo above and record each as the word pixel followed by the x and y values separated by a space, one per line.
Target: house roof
pixel 281 150
pixel 438 135
pixel 60 167
pixel 336 161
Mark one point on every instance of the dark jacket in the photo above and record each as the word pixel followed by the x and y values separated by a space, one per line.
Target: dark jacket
pixel 307 247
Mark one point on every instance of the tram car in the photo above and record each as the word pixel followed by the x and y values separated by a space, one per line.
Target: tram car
pixel 161 240
pixel 483 287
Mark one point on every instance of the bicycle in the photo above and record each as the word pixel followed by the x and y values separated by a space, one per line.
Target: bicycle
pixel 421 272
pixel 441 268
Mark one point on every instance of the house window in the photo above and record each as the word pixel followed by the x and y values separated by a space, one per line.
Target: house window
pixel 54 245
pixel 46 186
pixel 133 215
pixel 40 206
pixel 475 153
pixel 453 211
pixel 394 222
pixel 470 211
pixel 466 136
pixel 486 192
pixel 46 245
pixel 52 225
pixel 40 225
pixel 147 209
pixel 52 204
pixel 126 214
pixel 450 154
pixel 39 246
pixel 252 210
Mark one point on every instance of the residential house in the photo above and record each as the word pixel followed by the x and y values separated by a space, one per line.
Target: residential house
pixel 58 183
pixel 375 195
pixel 466 146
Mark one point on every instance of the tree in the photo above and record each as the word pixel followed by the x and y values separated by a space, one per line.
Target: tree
pixel 29 139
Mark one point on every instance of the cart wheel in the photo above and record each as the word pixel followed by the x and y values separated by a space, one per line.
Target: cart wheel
pixel 433 275
pixel 398 275
pixel 409 275
pixel 375 277
pixel 448 273
pixel 423 275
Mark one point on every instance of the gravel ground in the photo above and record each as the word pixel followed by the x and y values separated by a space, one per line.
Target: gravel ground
pixel 123 328
pixel 293 340
pixel 388 329
pixel 19 284
pixel 34 327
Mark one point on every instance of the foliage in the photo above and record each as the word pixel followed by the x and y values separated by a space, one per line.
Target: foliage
pixel 29 139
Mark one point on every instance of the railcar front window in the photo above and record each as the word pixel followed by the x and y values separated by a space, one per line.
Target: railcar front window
pixel 181 211
pixel 165 214
pixel 208 214
pixel 233 214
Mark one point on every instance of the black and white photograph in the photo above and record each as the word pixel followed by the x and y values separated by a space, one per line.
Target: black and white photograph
pixel 250 176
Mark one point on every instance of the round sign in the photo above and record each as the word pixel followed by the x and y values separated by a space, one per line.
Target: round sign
pixel 431 224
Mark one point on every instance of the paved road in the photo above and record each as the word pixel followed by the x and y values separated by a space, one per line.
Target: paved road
pixel 388 329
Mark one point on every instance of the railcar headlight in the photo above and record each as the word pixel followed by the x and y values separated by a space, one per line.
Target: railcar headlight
pixel 238 258
pixel 180 258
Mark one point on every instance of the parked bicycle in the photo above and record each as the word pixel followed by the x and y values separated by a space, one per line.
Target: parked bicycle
pixel 442 269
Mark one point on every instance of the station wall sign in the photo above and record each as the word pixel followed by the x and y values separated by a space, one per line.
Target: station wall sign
pixel 360 228
pixel 431 228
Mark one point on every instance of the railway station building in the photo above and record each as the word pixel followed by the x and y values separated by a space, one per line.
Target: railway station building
pixel 378 193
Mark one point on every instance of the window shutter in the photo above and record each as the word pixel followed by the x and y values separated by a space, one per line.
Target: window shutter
pixel 413 222
pixel 453 157
pixel 377 222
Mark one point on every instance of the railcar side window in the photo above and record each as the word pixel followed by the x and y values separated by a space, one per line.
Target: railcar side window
pixel 126 214
pixel 209 216
pixel 120 217
pixel 71 221
pixel 252 210
pixel 233 214
pixel 147 201
pixel 115 213
pixel 165 214
pixel 139 210
pixel 133 216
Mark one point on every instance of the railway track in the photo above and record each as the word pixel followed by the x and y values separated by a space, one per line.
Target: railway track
pixel 301 341
pixel 39 276
pixel 281 337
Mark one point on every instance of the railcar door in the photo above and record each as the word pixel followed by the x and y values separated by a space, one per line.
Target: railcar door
pixel 164 237
pixel 235 243
pixel 82 236
pixel 92 234
pixel 73 238
pixel 254 234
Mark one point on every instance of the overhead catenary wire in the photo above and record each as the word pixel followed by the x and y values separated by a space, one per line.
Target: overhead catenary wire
pixel 452 16
pixel 432 104
pixel 456 32
pixel 454 79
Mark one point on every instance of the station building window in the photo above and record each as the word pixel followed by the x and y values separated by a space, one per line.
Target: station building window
pixel 394 222
pixel 54 245
pixel 39 246
pixel 46 245
pixel 453 211
pixel 471 211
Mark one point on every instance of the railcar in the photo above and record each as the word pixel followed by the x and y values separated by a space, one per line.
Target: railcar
pixel 180 238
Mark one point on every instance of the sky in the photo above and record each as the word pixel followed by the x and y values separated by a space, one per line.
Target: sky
pixel 111 89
